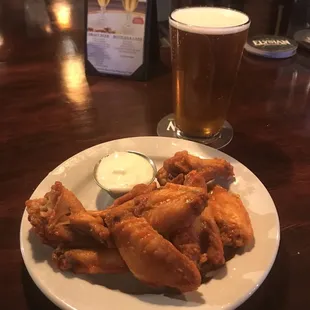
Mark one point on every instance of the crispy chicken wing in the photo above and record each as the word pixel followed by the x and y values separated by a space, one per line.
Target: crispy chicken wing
pixel 126 201
pixel 150 257
pixel 164 177
pixel 173 207
pixel 89 261
pixel 196 179
pixel 137 190
pixel 183 163
pixel 187 241
pixel 231 217
pixel 166 209
pixel 90 225
pixel 210 241
pixel 50 217
pixel 201 242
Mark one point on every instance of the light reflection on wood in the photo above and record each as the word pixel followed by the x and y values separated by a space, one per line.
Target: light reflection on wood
pixel 63 14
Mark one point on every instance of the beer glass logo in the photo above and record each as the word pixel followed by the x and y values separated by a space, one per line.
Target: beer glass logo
pixel 171 125
pixel 166 126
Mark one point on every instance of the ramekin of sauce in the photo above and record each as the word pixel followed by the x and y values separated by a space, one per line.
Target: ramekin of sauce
pixel 119 172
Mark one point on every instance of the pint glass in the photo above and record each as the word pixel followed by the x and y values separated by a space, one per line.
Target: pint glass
pixel 206 49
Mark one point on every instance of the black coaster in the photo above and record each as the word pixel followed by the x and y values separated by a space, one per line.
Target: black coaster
pixel 271 46
pixel 303 38
pixel 167 128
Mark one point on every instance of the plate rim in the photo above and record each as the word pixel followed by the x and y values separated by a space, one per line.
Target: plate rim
pixel 63 305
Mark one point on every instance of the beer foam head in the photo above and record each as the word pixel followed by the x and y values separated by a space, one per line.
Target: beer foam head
pixel 209 20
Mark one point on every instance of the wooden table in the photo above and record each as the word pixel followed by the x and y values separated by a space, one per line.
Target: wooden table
pixel 50 111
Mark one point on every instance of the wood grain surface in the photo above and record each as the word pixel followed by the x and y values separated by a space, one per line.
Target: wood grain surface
pixel 50 111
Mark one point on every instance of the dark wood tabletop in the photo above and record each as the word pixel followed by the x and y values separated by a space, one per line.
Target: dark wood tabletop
pixel 50 111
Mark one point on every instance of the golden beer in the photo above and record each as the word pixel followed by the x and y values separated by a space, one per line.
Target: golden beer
pixel 206 49
pixel 130 5
pixel 103 3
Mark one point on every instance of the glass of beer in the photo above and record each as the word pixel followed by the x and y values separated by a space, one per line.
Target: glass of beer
pixel 206 49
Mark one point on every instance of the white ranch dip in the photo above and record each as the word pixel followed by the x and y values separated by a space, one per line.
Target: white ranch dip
pixel 119 172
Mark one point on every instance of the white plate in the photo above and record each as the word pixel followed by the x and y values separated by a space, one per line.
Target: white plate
pixel 230 287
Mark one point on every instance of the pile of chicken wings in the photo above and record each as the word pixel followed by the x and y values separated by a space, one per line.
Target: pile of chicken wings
pixel 168 236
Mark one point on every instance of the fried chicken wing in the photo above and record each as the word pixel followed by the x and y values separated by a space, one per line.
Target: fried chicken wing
pixel 201 242
pixel 56 205
pixel 126 202
pixel 164 177
pixel 93 226
pixel 187 241
pixel 50 217
pixel 61 234
pixel 151 258
pixel 210 241
pixel 195 179
pixel 137 190
pixel 172 207
pixel 89 261
pixel 231 217
pixel 183 163
pixel 166 209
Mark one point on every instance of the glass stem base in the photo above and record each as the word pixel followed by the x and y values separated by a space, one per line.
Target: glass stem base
pixel 167 128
